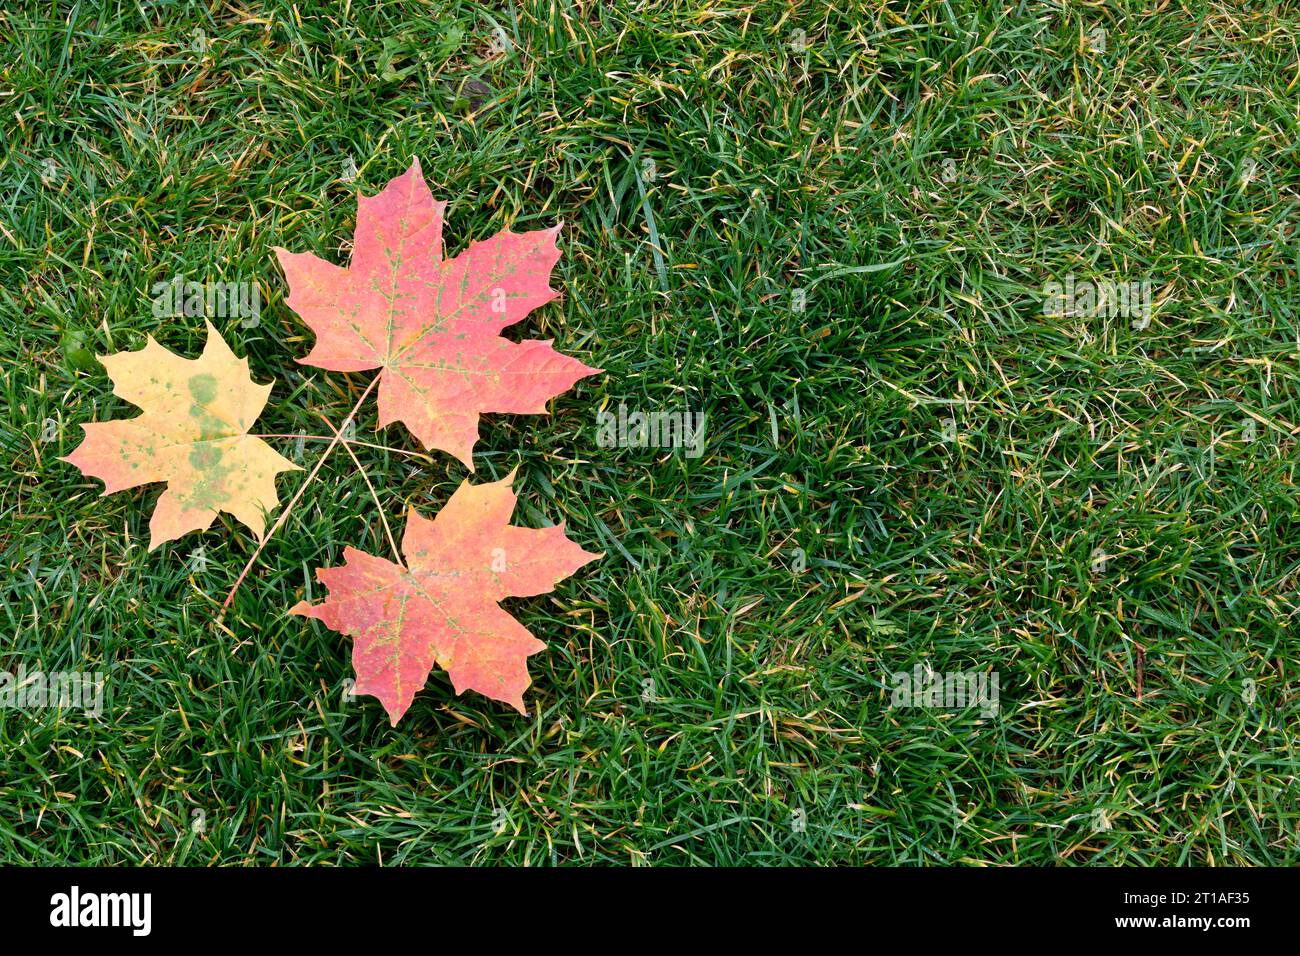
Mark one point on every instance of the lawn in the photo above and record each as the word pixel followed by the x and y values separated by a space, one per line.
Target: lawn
pixel 831 228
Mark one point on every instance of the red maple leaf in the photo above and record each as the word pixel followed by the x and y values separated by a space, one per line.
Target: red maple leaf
pixel 443 606
pixel 432 324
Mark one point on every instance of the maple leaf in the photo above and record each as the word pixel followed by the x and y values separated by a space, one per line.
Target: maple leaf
pixel 193 435
pixel 433 325
pixel 443 606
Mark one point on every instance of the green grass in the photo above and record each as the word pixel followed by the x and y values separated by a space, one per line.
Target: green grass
pixel 1170 156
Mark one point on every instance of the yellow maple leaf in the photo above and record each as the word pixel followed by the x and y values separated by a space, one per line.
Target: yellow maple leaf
pixel 193 435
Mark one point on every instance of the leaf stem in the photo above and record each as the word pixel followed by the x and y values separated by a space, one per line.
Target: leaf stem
pixel 347 447
pixel 284 515
pixel 346 441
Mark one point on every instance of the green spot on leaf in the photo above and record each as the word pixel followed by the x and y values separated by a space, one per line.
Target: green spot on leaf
pixel 203 388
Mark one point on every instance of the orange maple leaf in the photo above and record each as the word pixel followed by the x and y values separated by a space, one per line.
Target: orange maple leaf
pixel 443 607
pixel 193 435
pixel 433 325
